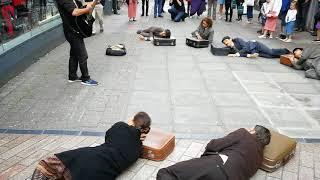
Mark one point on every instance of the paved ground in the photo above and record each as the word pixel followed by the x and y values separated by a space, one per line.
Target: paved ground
pixel 188 91
pixel 19 155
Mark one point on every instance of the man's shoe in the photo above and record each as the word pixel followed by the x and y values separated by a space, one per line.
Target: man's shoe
pixel 101 30
pixel 74 80
pixel 160 16
pixel 117 13
pixel 142 14
pixel 90 82
pixel 155 16
pixel 147 14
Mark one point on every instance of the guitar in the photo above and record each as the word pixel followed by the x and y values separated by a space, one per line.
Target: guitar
pixel 84 23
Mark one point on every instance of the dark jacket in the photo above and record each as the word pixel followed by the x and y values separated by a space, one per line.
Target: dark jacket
pixel 177 6
pixel 152 31
pixel 244 47
pixel 310 53
pixel 244 153
pixel 204 33
pixel 121 149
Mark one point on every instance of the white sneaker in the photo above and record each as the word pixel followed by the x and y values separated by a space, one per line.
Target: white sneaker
pixel 288 40
pixel 270 37
pixel 262 37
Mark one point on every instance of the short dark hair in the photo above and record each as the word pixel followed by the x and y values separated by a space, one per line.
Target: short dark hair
pixel 295 49
pixel 142 121
pixel 167 33
pixel 263 135
pixel 226 37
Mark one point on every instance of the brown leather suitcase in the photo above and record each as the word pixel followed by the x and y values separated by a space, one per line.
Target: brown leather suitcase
pixel 158 145
pixel 280 150
pixel 286 59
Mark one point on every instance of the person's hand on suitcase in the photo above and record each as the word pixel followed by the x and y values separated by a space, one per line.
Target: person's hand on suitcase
pixel 141 37
pixel 234 55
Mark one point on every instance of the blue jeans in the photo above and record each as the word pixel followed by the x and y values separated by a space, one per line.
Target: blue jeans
pixel 157 7
pixel 265 51
pixel 175 14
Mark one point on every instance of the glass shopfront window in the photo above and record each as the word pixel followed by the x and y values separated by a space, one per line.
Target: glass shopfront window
pixel 23 19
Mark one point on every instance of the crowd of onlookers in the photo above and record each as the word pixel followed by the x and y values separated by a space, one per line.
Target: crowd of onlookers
pixel 293 14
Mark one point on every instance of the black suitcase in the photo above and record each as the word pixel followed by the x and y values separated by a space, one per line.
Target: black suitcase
pixel 220 51
pixel 116 50
pixel 197 43
pixel 164 41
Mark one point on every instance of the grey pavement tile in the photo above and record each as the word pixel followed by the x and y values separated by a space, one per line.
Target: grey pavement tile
pixel 219 75
pixel 252 76
pixel 232 99
pixel 224 87
pixel 149 97
pixel 315 114
pixel 275 68
pixel 187 84
pixel 306 100
pixel 300 88
pixel 288 118
pixel 204 67
pixel 150 85
pixel 200 115
pixel 301 132
pixel 184 74
pixel 265 87
pixel 287 77
pixel 306 173
pixel 242 117
pixel 274 100
pixel 190 98
pixel 244 67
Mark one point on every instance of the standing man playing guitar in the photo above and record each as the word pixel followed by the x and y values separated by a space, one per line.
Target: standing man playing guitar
pixel 69 10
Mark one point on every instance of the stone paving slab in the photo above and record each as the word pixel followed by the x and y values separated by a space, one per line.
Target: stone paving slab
pixel 186 90
pixel 18 160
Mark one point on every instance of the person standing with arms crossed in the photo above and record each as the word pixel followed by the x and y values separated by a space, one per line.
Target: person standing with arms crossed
pixel 68 10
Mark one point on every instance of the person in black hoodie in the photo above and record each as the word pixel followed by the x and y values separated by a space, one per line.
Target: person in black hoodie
pixel 177 10
pixel 122 147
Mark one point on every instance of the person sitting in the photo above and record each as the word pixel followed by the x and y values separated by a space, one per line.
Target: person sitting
pixel 236 156
pixel 122 147
pixel 177 10
pixel 251 49
pixel 308 59
pixel 204 31
pixel 147 34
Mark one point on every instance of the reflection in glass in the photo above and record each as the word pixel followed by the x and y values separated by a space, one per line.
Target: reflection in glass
pixel 20 16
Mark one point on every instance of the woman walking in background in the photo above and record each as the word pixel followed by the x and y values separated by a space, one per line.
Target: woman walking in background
pixel 221 3
pixel 132 9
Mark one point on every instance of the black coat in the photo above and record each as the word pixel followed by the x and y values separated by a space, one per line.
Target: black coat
pixel 121 149
pixel 244 159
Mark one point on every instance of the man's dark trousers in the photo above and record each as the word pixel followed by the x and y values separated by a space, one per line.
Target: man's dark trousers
pixel 78 55
pixel 265 51
pixel 228 6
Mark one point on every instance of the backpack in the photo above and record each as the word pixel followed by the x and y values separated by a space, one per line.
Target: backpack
pixel 116 50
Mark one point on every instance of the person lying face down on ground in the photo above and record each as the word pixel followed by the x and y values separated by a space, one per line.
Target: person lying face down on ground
pixel 308 59
pixel 251 49
pixel 236 156
pixel 204 31
pixel 152 31
pixel 122 147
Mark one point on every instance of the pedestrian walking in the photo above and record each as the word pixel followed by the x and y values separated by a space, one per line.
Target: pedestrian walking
pixel 221 4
